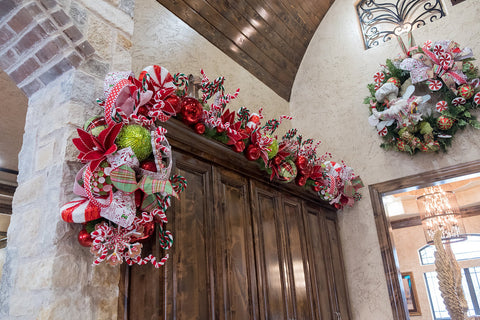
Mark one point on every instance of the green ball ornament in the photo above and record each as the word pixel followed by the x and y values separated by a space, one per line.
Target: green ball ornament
pixel 395 81
pixel 136 137
pixel 287 171
pixel 468 67
pixel 95 125
pixel 274 149
pixel 401 145
pixel 444 123
pixel 466 91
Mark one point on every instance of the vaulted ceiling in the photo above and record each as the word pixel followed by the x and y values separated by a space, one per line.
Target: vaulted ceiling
pixel 266 37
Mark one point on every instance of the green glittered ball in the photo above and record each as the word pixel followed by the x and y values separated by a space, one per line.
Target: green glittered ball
pixel 274 149
pixel 136 137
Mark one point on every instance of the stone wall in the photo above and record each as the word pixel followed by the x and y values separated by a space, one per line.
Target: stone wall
pixel 38 43
pixel 46 274
pixel 329 90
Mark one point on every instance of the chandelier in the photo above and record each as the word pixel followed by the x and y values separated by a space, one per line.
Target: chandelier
pixel 439 211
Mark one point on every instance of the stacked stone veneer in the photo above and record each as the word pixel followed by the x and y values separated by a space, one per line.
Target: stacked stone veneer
pixel 58 53
pixel 40 40
pixel 38 43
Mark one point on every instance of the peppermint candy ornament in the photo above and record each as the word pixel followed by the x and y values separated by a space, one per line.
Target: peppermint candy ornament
pixel 383 132
pixel 379 77
pixel 159 80
pixel 477 98
pixel 434 85
pixel 438 50
pixel 441 106
pixel 458 101
pixel 446 60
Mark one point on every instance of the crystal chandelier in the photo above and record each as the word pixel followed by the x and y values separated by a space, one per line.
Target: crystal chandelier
pixel 439 211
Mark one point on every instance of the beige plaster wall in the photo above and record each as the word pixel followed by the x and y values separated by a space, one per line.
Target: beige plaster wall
pixel 329 89
pixel 162 38
pixel 407 242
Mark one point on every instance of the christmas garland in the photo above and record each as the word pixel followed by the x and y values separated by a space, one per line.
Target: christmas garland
pixel 419 100
pixel 125 187
pixel 291 158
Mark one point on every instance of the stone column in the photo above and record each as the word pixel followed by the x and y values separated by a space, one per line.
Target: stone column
pixel 47 274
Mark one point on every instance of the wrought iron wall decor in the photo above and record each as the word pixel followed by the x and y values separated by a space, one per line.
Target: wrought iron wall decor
pixel 383 20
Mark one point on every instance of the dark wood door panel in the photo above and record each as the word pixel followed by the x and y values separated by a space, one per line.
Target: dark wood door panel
pixel 337 270
pixel 235 277
pixel 271 270
pixel 318 273
pixel 187 287
pixel 144 289
pixel 298 259
pixel 243 249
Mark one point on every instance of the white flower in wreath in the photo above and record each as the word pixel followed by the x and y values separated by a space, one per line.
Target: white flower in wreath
pixel 404 109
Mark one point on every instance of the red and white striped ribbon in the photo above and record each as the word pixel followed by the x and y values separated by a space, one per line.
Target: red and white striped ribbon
pixel 111 100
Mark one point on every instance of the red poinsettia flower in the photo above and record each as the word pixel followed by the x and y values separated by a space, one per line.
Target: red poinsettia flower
pixel 228 116
pixel 95 149
pixel 236 134
pixel 316 173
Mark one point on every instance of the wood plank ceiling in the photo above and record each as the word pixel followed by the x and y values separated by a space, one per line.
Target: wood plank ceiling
pixel 266 37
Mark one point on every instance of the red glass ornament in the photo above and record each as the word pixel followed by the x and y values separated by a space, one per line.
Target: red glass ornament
pixel 191 110
pixel 174 101
pixel 252 153
pixel 301 180
pixel 148 229
pixel 149 165
pixel 84 238
pixel 199 128
pixel 301 163
pixel 239 146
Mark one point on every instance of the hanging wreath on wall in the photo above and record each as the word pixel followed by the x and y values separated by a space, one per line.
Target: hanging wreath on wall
pixel 125 187
pixel 420 100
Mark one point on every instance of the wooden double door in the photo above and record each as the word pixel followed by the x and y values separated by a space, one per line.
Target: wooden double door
pixel 243 249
